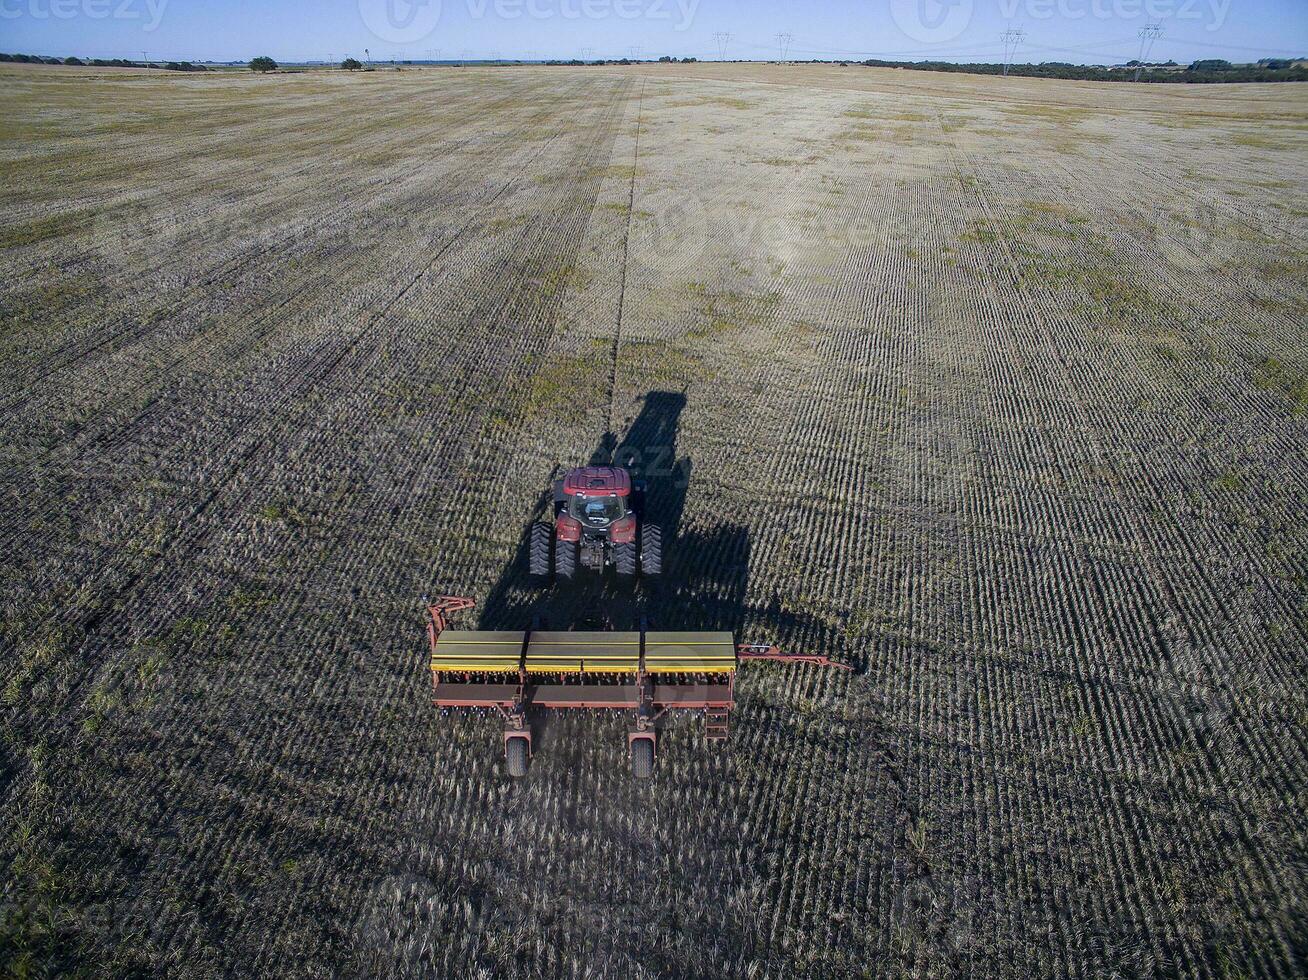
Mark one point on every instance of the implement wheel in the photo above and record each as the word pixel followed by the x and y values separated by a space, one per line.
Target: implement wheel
pixel 651 550
pixel 516 757
pixel 538 563
pixel 642 758
pixel 565 559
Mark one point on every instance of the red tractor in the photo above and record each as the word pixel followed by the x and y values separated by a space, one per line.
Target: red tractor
pixel 598 521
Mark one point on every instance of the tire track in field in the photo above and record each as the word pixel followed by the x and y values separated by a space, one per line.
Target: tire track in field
pixel 626 249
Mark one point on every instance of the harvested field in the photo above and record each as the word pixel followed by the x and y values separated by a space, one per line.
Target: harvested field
pixel 997 391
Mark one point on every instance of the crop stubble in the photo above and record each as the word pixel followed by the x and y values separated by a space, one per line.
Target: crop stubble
pixel 994 391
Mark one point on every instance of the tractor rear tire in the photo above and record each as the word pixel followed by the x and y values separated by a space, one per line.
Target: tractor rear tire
pixel 565 559
pixel 642 758
pixel 651 550
pixel 624 559
pixel 538 562
pixel 516 756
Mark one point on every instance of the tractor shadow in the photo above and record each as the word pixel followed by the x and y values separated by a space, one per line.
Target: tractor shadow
pixel 648 448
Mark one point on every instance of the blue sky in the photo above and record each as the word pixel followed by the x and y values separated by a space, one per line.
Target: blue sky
pixel 1091 31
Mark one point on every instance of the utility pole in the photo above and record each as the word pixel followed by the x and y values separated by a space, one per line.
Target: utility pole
pixel 783 44
pixel 145 58
pixel 331 58
pixel 723 39
pixel 1012 38
pixel 1148 35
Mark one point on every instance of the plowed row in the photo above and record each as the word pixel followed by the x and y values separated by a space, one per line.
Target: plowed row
pixel 997 392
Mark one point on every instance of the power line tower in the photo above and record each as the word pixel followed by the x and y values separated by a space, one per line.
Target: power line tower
pixel 587 54
pixel 634 52
pixel 1148 35
pixel 783 45
pixel 723 39
pixel 367 57
pixel 1012 38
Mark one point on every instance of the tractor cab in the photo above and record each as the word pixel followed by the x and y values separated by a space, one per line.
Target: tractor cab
pixel 596 495
pixel 597 512
pixel 598 523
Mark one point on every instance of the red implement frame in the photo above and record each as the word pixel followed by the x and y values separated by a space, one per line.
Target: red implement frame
pixel 643 696
pixel 770 651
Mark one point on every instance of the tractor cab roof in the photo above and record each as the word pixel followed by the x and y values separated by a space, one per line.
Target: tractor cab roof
pixel 597 481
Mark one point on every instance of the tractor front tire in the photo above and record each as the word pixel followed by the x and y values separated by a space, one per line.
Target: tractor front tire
pixel 624 559
pixel 642 758
pixel 565 559
pixel 651 550
pixel 516 756
pixel 538 562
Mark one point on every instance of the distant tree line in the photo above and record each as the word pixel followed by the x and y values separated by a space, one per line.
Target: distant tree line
pixel 1206 71
pixel 37 59
pixel 665 60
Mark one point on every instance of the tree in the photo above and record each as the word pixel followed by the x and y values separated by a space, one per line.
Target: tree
pixel 1211 64
pixel 263 64
pixel 73 61
pixel 350 64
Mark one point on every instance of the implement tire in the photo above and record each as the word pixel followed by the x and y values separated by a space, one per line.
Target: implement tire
pixel 538 562
pixel 565 559
pixel 651 550
pixel 516 757
pixel 642 758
